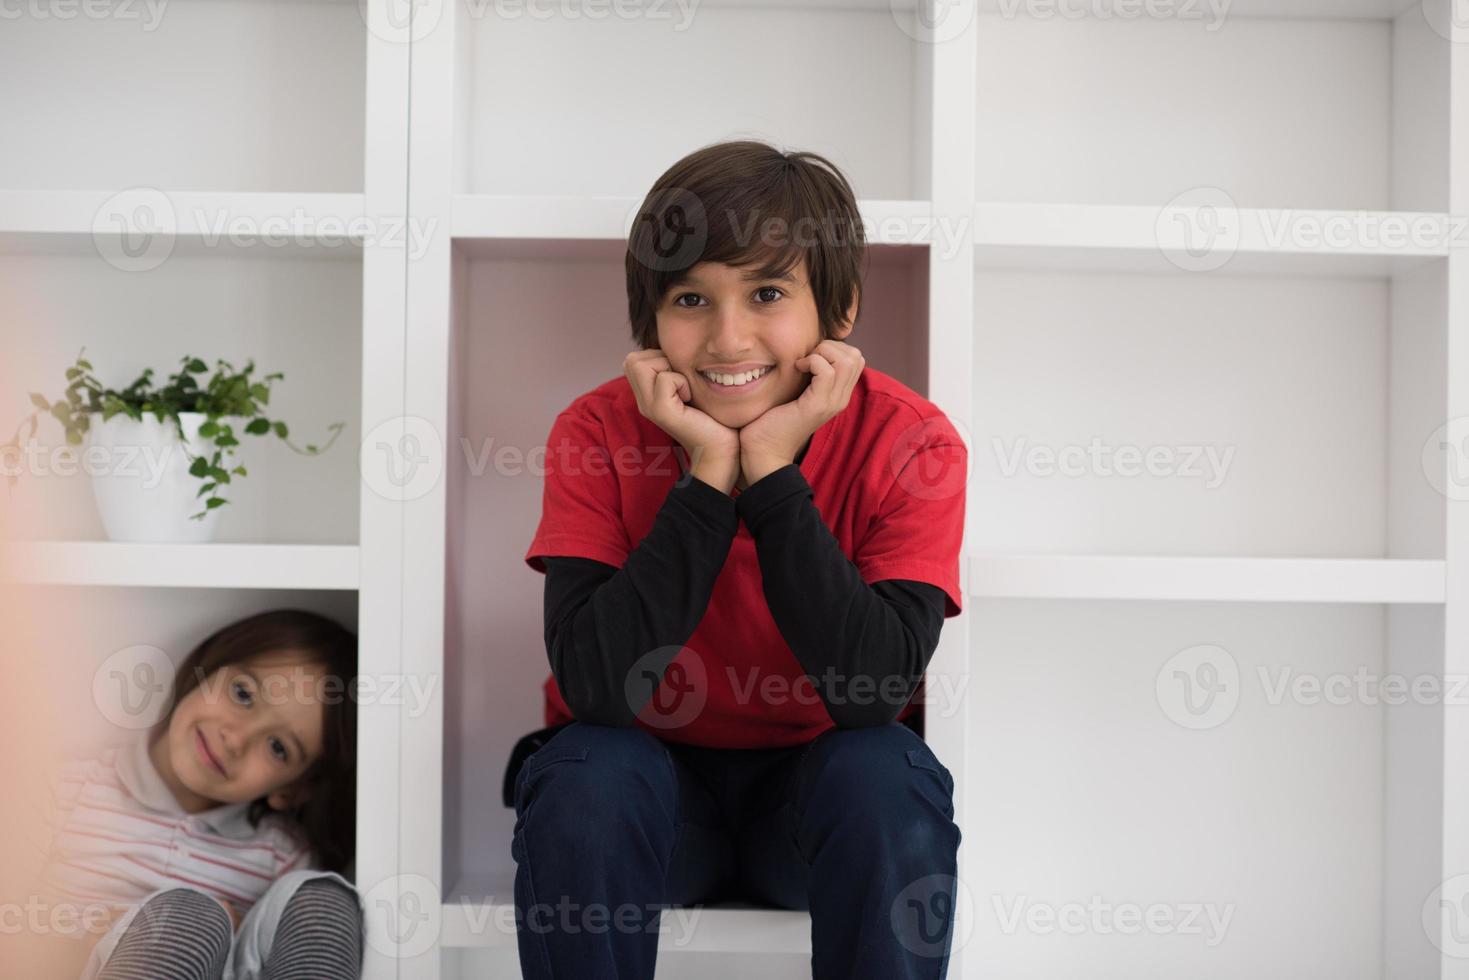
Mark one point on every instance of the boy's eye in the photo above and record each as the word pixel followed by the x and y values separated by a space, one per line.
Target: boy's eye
pixel 770 289
pixel 285 754
pixel 680 300
pixel 241 693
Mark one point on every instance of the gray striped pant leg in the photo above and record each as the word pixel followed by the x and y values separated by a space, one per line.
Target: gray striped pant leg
pixel 180 934
pixel 319 936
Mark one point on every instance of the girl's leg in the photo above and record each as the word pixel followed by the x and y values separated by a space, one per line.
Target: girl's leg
pixel 180 934
pixel 319 936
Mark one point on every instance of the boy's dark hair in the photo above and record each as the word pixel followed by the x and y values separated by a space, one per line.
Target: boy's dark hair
pixel 327 818
pixel 744 202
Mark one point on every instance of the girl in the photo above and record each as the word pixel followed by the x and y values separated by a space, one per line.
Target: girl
pixel 233 812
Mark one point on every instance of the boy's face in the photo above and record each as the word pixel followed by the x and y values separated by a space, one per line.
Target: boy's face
pixel 260 722
pixel 719 318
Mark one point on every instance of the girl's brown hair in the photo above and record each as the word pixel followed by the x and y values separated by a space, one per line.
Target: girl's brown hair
pixel 326 819
pixel 741 202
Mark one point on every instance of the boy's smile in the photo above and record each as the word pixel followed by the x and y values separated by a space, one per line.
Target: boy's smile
pixel 729 322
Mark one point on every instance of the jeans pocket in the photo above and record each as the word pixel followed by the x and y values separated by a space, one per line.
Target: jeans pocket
pixel 925 759
pixel 535 762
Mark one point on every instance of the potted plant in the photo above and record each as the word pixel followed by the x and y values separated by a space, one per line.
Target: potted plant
pixel 184 431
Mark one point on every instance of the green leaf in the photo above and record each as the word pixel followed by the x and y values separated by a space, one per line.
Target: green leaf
pixel 208 429
pixel 280 429
pixel 218 474
pixel 258 426
pixel 200 467
pixel 239 471
pixel 73 373
pixel 214 502
pixel 260 393
pixel 73 437
pixel 205 489
pixel 84 365
pixel 40 402
pixel 196 366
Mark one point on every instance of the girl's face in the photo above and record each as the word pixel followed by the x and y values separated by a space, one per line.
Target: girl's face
pixel 717 317
pixel 249 730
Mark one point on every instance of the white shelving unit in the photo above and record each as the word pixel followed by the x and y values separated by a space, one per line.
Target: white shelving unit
pixel 1195 291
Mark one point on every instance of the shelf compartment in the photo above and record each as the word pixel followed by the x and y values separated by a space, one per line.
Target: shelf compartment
pixel 766 71
pixel 1335 105
pixel 224 96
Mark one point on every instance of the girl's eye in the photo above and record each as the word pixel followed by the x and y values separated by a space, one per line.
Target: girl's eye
pixel 284 754
pixel 770 289
pixel 241 692
pixel 680 299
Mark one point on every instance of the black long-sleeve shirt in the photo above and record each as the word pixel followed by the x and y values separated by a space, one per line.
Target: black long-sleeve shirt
pixel 601 621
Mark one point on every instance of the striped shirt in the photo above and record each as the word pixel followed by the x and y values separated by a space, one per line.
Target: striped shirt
pixel 118 835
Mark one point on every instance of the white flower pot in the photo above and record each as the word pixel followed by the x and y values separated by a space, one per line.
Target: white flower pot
pixel 141 479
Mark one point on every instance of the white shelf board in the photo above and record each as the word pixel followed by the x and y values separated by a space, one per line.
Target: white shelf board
pixel 480 912
pixel 1309 9
pixel 1253 241
pixel 609 217
pixel 260 224
pixel 198 566
pixel 1375 580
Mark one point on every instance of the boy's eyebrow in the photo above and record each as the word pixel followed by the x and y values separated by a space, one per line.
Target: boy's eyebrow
pixel 757 274
pixel 753 274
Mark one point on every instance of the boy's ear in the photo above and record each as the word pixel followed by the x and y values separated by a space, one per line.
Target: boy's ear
pixel 845 327
pixel 289 796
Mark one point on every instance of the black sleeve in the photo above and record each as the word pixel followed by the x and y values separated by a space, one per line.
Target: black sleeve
pixel 864 647
pixel 600 627
pixel 904 614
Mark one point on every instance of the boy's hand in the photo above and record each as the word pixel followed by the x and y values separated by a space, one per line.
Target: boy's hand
pixel 772 440
pixel 663 395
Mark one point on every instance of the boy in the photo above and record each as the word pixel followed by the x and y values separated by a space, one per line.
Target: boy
pixel 735 641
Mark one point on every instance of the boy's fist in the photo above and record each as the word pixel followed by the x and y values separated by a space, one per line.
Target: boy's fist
pixel 663 395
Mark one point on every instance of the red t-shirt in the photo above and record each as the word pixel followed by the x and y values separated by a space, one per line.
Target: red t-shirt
pixel 888 475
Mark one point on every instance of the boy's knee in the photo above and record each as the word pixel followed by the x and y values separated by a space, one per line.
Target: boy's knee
pixel 625 774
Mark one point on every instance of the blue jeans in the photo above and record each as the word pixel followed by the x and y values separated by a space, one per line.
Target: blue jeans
pixel 614 824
